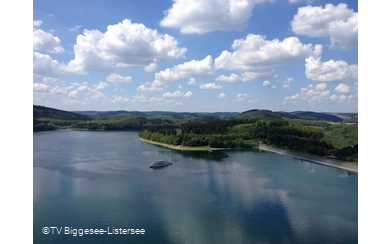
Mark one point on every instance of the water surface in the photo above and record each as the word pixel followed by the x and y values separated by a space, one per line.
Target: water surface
pixel 101 179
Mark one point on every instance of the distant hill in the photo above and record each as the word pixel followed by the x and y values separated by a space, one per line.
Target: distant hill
pixel 351 115
pixel 287 115
pixel 199 116
pixel 316 116
pixel 221 114
pixel 302 115
pixel 52 113
pixel 259 114
pixel 203 116
pixel 45 118
pixel 106 114
pixel 183 116
pixel 158 113
pixel 348 117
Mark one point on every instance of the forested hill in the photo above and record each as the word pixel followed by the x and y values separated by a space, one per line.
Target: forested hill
pixel 45 118
pixel 317 116
pixel 162 114
pixel 106 114
pixel 303 115
pixel 52 113
pixel 259 114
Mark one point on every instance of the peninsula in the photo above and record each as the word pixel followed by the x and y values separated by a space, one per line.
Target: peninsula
pixel 305 157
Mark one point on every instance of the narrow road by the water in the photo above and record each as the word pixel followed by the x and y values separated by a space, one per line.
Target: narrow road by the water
pixel 314 159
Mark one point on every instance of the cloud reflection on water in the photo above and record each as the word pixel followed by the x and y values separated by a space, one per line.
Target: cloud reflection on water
pixel 247 197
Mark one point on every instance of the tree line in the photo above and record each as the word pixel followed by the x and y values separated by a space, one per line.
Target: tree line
pixel 124 123
pixel 196 140
pixel 275 132
pixel 213 127
pixel 293 137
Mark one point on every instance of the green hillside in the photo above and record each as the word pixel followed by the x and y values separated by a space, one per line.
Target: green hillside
pixel 348 117
pixel 45 118
pixel 52 113
pixel 185 116
pixel 106 114
pixel 309 132
pixel 259 114
pixel 317 116
pixel 297 115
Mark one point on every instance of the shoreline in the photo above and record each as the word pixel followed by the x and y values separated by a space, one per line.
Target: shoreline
pixel 347 166
pixel 313 159
pixel 184 148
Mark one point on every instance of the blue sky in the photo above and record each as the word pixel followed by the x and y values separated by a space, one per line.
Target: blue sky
pixel 225 55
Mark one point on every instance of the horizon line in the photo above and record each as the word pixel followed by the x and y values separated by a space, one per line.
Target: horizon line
pixel 194 112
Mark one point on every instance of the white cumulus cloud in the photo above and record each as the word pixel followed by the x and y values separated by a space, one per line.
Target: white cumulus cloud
pixel 40 87
pixel 49 80
pixel 123 44
pixel 150 68
pixel 192 68
pixel 344 98
pixel 266 83
pixel 188 94
pixel 101 86
pixel 242 96
pixel 44 65
pixel 287 82
pixel 148 88
pixel 313 95
pixel 245 76
pixel 338 22
pixel 320 87
pixel 331 70
pixel 75 28
pixel 210 86
pixel 260 56
pixel 192 82
pixel 177 94
pixel 342 88
pixel 79 93
pixel 201 16
pixel 116 78
pixel 203 67
pixel 308 95
pixel 120 99
pixel 37 23
pixel 43 41
pixel 222 95
pixel 231 78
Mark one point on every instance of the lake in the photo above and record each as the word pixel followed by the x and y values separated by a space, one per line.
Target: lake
pixel 102 180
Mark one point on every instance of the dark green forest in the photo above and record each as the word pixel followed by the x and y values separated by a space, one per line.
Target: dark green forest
pixel 45 118
pixel 307 132
pixel 339 140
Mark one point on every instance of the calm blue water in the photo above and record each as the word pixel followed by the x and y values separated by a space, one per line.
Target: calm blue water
pixel 102 179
